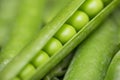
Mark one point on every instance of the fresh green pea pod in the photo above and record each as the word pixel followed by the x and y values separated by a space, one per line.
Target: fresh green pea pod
pixel 25 28
pixel 94 54
pixel 60 69
pixel 116 17
pixel 28 53
pixel 8 11
pixel 113 72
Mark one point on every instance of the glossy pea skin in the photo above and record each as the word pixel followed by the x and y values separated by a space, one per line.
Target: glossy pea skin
pixel 27 72
pixel 65 33
pixel 40 59
pixel 78 20
pixel 92 7
pixel 52 46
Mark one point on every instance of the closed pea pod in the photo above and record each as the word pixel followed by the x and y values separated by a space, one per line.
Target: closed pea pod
pixel 94 54
pixel 46 34
pixel 113 72
pixel 25 28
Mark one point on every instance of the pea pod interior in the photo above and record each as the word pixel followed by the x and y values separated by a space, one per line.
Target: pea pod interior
pixel 45 35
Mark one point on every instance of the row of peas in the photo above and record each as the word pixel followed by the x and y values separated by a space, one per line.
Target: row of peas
pixel 81 17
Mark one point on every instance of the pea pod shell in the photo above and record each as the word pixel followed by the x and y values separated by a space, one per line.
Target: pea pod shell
pixel 25 28
pixel 94 54
pixel 46 33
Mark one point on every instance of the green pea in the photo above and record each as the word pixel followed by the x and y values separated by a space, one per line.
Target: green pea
pixel 78 20
pixel 92 7
pixel 27 72
pixel 65 33
pixel 52 46
pixel 40 59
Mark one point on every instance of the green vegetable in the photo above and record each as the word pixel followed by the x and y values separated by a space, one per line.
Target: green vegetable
pixel 113 72
pixel 78 20
pixel 59 70
pixel 116 17
pixel 27 72
pixel 92 7
pixel 93 57
pixel 20 61
pixel 40 58
pixel 65 33
pixel 25 27
pixel 52 46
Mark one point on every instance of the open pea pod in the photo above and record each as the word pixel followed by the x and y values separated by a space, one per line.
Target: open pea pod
pixel 51 34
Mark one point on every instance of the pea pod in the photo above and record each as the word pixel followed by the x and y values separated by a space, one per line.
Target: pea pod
pixel 113 72
pixel 116 17
pixel 60 69
pixel 94 55
pixel 25 28
pixel 48 32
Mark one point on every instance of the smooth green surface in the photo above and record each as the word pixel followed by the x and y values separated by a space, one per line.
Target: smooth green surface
pixel 28 70
pixel 78 38
pixel 24 30
pixel 40 59
pixel 78 20
pixel 52 46
pixel 113 72
pixel 43 37
pixel 16 78
pixel 65 33
pixel 92 7
pixel 46 33
pixel 116 17
pixel 8 11
pixel 93 56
